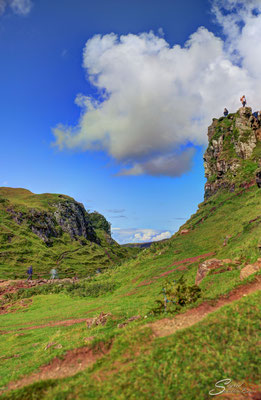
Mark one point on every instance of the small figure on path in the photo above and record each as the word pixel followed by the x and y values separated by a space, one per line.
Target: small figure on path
pixel 243 100
pixel 54 274
pixel 225 112
pixel 29 273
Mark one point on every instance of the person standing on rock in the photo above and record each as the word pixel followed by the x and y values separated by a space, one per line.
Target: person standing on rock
pixel 225 112
pixel 30 273
pixel 243 100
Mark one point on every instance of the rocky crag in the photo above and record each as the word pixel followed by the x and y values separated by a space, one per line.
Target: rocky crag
pixel 53 229
pixel 63 215
pixel 234 151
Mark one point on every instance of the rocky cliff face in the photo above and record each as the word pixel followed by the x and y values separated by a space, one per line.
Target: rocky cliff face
pixel 234 151
pixel 67 216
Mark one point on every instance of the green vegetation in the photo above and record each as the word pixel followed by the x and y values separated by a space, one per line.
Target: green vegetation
pixel 82 288
pixel 187 363
pixel 21 247
pixel 175 295
pixel 139 367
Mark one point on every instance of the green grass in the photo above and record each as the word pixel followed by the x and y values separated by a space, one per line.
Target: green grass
pixel 185 365
pixel 20 247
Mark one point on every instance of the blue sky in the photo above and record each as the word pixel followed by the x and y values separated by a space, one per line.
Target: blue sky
pixel 132 146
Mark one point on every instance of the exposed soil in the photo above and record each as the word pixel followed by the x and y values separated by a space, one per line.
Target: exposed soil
pixel 73 361
pixel 66 322
pixel 181 265
pixel 78 359
pixel 167 326
pixel 18 305
pixel 12 286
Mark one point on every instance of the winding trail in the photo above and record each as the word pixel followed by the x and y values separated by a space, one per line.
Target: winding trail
pixel 72 362
pixel 168 326
pixel 79 359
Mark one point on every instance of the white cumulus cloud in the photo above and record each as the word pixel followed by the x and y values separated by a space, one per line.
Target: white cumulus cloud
pixel 139 235
pixel 156 101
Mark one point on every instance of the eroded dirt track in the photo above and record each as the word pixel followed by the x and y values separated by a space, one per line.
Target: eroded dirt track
pixel 78 359
pixel 73 362
pixel 167 326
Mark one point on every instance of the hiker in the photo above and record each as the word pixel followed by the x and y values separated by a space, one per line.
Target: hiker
pixel 225 112
pixel 258 179
pixel 243 100
pixel 29 273
pixel 54 274
pixel 255 114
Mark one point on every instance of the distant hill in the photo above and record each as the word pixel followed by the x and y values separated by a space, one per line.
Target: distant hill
pixel 144 245
pixel 48 230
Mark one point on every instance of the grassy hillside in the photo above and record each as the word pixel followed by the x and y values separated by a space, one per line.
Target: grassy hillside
pixel 21 247
pixel 131 362
pixel 163 336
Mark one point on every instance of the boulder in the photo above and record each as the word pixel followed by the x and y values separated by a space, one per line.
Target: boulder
pixel 184 231
pixel 100 320
pixel 249 270
pixel 134 318
pixel 205 267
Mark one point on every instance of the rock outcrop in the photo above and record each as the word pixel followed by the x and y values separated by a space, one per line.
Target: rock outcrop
pixel 250 269
pixel 72 217
pixel 215 266
pixel 231 157
pixel 67 216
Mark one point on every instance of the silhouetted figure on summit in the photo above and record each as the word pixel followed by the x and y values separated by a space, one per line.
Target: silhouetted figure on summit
pixel 243 100
pixel 225 112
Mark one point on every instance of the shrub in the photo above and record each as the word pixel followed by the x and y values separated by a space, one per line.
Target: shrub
pixel 176 294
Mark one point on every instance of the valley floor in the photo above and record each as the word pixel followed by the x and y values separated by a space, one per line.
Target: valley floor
pixel 50 349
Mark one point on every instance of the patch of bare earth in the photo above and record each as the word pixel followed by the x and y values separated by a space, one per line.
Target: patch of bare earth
pixel 73 362
pixel 66 322
pixel 180 266
pixel 167 326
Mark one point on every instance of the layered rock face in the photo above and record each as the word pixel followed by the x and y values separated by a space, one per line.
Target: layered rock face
pixel 68 216
pixel 232 156
pixel 73 219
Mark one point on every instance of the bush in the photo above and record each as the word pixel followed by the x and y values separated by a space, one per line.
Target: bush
pixel 176 294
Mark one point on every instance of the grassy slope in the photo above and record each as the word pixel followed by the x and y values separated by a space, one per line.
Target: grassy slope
pixel 20 247
pixel 183 366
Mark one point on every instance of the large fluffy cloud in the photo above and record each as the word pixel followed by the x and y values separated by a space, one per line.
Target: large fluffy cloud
pixel 20 7
pixel 156 101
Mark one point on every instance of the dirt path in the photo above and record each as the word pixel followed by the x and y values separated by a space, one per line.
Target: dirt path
pixel 73 361
pixel 12 286
pixel 78 359
pixel 167 326
pixel 66 322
